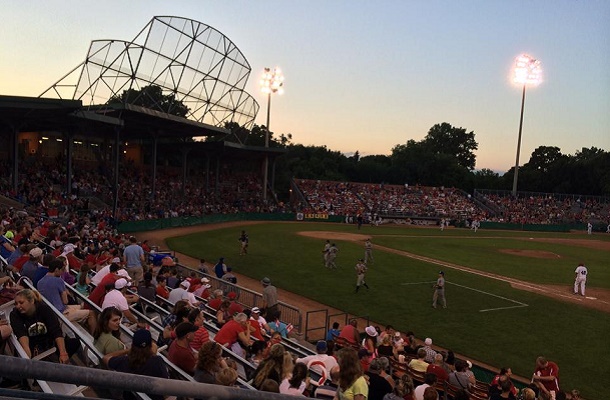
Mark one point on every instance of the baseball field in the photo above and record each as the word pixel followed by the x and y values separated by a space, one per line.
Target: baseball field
pixel 509 294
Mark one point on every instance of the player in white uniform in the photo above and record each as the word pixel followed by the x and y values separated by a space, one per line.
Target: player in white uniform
pixel 580 279
pixel 589 228
pixel 368 251
pixel 325 253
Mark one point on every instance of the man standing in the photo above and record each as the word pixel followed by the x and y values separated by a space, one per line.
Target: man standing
pixel 134 257
pixel 270 302
pixel 243 240
pixel 439 290
pixel 360 273
pixel 332 256
pixel 368 252
pixel 546 376
pixel 325 253
pixel 580 278
pixel 589 228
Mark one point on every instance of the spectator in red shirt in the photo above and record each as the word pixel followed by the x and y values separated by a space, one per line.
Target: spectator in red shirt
pixel 162 287
pixel 235 333
pixel 437 369
pixel 546 376
pixel 180 352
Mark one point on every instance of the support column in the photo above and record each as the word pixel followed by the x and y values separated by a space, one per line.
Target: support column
pixel 185 152
pixel 68 137
pixel 117 154
pixel 154 167
pixel 15 134
pixel 207 173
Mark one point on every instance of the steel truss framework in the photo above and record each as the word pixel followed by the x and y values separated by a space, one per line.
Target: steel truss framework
pixel 192 61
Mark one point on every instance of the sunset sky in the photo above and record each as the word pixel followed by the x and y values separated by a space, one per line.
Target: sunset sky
pixel 367 75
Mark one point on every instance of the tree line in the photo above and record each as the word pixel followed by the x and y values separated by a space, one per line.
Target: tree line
pixel 444 157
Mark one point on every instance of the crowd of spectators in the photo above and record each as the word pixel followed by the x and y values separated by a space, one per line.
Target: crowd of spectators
pixel 348 198
pixel 547 209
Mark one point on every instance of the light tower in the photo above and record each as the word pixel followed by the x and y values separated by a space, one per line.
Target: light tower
pixel 272 81
pixel 527 72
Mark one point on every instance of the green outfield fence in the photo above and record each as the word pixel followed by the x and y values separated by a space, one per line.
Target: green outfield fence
pixel 155 224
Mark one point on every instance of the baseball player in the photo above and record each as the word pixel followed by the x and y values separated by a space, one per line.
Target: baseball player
pixel 442 224
pixel 360 273
pixel 439 290
pixel 589 228
pixel 243 240
pixel 368 251
pixel 580 279
pixel 331 256
pixel 325 253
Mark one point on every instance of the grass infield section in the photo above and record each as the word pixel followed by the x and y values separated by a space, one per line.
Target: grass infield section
pixel 515 327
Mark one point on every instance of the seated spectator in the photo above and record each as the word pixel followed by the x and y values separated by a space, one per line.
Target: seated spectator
pixel 271 386
pixel 459 378
pixel 161 289
pixel 494 384
pixel 272 368
pixel 351 380
pixel 146 289
pixel 429 382
pixel 430 393
pixel 83 281
pixel 429 352
pixel 180 352
pixel 37 327
pixel 257 353
pixel 202 335
pixel 263 327
pixel 505 390
pixel 116 298
pixel 350 333
pixel 378 385
pixel 403 390
pixel 216 299
pixel 437 368
pixel 6 245
pixel 235 334
pixel 209 363
pixel 140 360
pixel 223 314
pixel 329 362
pixel 280 327
pixel 333 332
pixel 53 288
pixel 227 377
pixel 297 383
pixel 418 364
pixel 386 348
pixel 106 336
pixel 31 266
pixel 182 293
pixel 328 391
pixel 97 278
pixel 365 359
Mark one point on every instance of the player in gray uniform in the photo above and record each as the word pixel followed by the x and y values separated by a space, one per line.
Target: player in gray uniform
pixel 332 256
pixel 580 279
pixel 368 252
pixel 360 273
pixel 439 290
pixel 325 253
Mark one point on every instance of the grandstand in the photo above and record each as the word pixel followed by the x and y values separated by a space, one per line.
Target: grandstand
pixel 83 163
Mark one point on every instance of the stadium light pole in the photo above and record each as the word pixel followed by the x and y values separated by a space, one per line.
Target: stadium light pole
pixel 527 72
pixel 272 81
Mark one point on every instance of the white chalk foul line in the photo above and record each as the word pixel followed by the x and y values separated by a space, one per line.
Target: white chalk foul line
pixel 417 283
pixel 520 304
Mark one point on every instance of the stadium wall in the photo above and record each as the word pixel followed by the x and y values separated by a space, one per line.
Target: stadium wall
pixel 155 224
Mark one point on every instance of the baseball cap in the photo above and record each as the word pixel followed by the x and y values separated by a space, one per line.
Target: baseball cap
pixel 428 341
pixel 255 310
pixel 397 334
pixel 205 280
pixel 232 295
pixel 121 283
pixel 185 284
pixel 142 338
pixel 116 260
pixel 36 252
pixel 441 273
pixel 185 328
pixel 266 281
pixel 123 272
pixel 321 346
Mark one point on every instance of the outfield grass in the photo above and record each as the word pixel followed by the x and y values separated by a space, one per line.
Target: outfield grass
pixel 514 335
